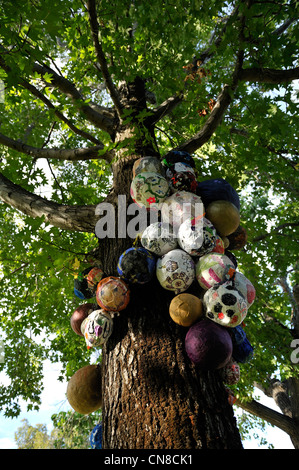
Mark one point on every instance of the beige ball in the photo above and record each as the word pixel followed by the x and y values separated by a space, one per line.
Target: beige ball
pixel 185 309
pixel 84 389
pixel 224 216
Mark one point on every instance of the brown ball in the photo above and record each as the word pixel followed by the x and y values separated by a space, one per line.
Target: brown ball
pixel 185 309
pixel 238 239
pixel 79 315
pixel 224 216
pixel 84 389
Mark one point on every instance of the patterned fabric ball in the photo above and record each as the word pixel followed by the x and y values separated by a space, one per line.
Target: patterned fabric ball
pixel 183 181
pixel 148 165
pixel 197 237
pixel 177 156
pixel 96 437
pixel 86 282
pixel 136 265
pixel 212 269
pixel 216 190
pixel 219 246
pixel 149 190
pixel 159 238
pixel 185 309
pixel 242 284
pixel 181 206
pixel 94 276
pixel 112 294
pixel 175 271
pixel 208 345
pixel 231 373
pixel 179 167
pixel 238 239
pixel 79 315
pixel 225 305
pixel 97 328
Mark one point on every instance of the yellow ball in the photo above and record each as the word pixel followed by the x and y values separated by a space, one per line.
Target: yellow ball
pixel 224 216
pixel 84 389
pixel 185 309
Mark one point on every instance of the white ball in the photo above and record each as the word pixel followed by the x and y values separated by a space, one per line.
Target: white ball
pixel 175 271
pixel 213 268
pixel 97 328
pixel 198 238
pixel 159 238
pixel 243 285
pixel 149 190
pixel 225 305
pixel 181 206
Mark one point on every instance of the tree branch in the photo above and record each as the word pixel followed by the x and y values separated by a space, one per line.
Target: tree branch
pixel 91 7
pixel 271 76
pixel 274 230
pixel 165 108
pixel 78 218
pixel 89 153
pixel 284 423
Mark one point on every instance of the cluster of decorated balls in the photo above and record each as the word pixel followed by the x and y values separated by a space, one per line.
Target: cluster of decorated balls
pixel 179 250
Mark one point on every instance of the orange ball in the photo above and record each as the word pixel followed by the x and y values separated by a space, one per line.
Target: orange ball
pixel 185 309
pixel 112 294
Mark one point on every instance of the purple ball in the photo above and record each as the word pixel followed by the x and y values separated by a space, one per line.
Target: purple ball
pixel 208 345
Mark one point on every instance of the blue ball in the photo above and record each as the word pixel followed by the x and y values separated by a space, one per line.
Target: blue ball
pixel 96 437
pixel 243 352
pixel 216 190
pixel 136 265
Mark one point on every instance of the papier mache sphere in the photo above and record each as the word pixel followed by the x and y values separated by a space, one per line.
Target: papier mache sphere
pixel 212 269
pixel 86 282
pixel 231 373
pixel 243 285
pixel 197 237
pixel 96 437
pixel 181 206
pixel 136 265
pixel 175 271
pixel 225 305
pixel 183 181
pixel 185 309
pixel 177 156
pixel 148 164
pixel 242 349
pixel 217 189
pixel 79 316
pixel 84 389
pixel 149 190
pixel 112 294
pixel 224 216
pixel 159 238
pixel 208 345
pixel 97 328
pixel 219 245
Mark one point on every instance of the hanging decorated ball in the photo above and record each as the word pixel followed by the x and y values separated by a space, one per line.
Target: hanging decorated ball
pixel 94 276
pixel 97 328
pixel 197 237
pixel 181 206
pixel 81 287
pixel 96 437
pixel 149 190
pixel 159 238
pixel 179 167
pixel 208 345
pixel 238 239
pixel 84 389
pixel 177 156
pixel 185 309
pixel 224 216
pixel 225 305
pixel 238 335
pixel 243 285
pixel 219 245
pixel 148 165
pixel 136 265
pixel 79 316
pixel 183 181
pixel 217 189
pixel 212 269
pixel 175 271
pixel 231 373
pixel 112 294
pixel 243 352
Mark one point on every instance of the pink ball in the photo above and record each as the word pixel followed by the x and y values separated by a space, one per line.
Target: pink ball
pixel 208 345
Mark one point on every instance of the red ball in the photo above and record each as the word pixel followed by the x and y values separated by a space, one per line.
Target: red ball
pixel 79 315
pixel 208 345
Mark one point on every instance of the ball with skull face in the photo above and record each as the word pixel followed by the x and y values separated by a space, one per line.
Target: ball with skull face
pixel 225 305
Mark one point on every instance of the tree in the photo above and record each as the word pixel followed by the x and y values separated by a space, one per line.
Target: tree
pixel 30 437
pixel 89 88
